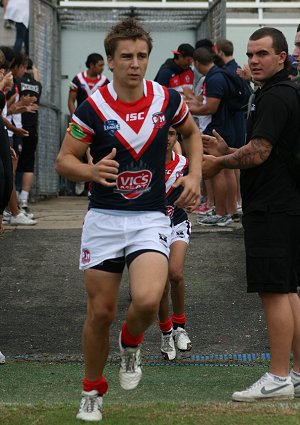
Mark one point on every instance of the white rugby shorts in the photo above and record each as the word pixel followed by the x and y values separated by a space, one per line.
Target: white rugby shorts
pixel 181 232
pixel 109 234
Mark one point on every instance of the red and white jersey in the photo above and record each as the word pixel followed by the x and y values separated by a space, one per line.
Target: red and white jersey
pixel 184 79
pixel 139 132
pixel 177 167
pixel 85 86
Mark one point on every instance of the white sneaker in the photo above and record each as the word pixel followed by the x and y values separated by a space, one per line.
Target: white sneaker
pixel 23 203
pixel 210 220
pixel 6 217
pixel 296 383
pixel 90 406
pixel 168 349
pixel 267 387
pixel 22 219
pixel 130 372
pixel 27 213
pixel 182 339
pixel 225 220
pixel 2 358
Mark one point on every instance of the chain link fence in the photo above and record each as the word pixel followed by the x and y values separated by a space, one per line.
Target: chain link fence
pixel 44 48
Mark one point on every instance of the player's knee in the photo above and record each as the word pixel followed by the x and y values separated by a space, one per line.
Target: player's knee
pixel 175 276
pixel 99 314
pixel 148 308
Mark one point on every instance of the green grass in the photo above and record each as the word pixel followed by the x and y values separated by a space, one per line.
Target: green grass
pixel 48 394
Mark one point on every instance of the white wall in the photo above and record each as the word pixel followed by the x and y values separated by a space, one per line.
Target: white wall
pixel 77 45
pixel 239 35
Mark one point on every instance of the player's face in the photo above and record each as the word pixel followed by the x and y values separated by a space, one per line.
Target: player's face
pixel 172 138
pixel 185 62
pixel 129 63
pixel 262 59
pixel 296 52
pixel 97 68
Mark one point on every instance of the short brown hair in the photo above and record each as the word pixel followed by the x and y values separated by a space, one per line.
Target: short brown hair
pixel 225 46
pixel 128 29
pixel 278 39
pixel 203 56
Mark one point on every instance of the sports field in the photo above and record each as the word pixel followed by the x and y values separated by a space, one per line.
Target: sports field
pixel 47 394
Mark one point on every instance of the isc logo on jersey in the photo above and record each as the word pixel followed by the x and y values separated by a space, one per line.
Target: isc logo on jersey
pixel 135 116
pixel 132 184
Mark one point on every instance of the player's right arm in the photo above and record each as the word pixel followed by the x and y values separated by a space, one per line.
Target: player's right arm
pixel 68 164
pixel 71 101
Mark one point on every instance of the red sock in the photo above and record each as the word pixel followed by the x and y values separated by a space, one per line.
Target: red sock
pixel 128 340
pixel 178 321
pixel 165 326
pixel 100 385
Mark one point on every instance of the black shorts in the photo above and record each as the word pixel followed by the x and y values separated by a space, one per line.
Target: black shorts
pixel 27 156
pixel 272 243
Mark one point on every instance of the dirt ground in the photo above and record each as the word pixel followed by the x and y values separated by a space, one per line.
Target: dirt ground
pixel 42 301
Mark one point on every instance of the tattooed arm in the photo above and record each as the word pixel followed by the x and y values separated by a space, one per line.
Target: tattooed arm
pixel 251 155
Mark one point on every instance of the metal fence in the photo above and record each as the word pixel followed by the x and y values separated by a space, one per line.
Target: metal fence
pixel 44 49
pixel 213 25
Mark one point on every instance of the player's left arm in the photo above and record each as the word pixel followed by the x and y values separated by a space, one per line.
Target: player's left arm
pixel 190 196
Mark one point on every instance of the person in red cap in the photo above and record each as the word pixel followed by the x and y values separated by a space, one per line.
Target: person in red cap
pixel 177 73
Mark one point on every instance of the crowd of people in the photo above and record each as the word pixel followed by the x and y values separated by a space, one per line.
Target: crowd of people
pixel 20 94
pixel 139 145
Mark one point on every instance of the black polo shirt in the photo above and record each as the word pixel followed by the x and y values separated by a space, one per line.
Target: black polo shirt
pixel 275 115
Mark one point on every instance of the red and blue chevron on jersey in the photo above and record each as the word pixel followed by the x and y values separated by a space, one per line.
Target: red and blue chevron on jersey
pixel 177 167
pixel 85 86
pixel 139 131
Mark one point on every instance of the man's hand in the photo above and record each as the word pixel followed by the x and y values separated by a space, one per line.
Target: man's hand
pixel 8 81
pixel 33 107
pixel 20 132
pixel 13 154
pixel 106 170
pixel 27 100
pixel 190 196
pixel 210 166
pixel 214 145
pixel 244 73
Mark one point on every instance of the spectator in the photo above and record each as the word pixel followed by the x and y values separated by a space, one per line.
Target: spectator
pixel 29 86
pixel 176 73
pixel 271 207
pixel 214 106
pixel 13 121
pixel 224 49
pixel 18 12
pixel 6 171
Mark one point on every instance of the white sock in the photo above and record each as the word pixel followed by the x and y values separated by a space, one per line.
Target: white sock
pixel 296 374
pixel 278 378
pixel 24 195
